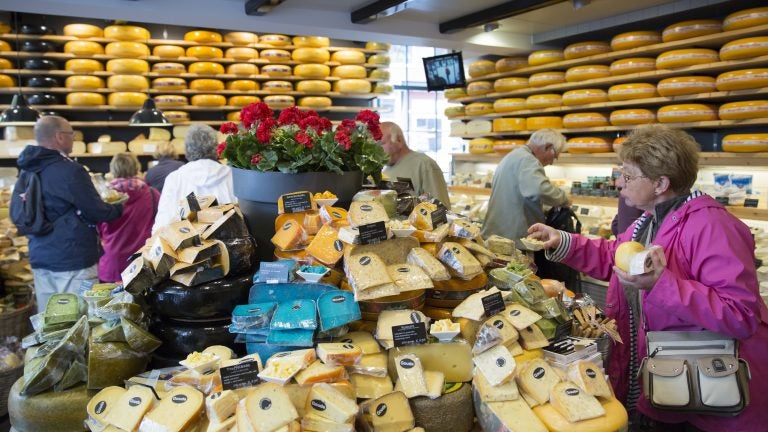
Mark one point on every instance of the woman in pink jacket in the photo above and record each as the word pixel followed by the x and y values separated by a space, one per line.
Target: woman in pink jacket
pixel 703 276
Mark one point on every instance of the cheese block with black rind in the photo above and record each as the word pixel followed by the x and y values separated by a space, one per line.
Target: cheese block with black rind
pixel 48 412
pixel 452 411
pixel 215 299
pixel 182 337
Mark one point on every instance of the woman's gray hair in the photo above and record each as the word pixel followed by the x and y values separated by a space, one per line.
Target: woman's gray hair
pixel 201 142
pixel 124 165
pixel 542 137
pixel 165 149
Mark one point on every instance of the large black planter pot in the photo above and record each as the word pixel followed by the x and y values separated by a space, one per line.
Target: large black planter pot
pixel 257 192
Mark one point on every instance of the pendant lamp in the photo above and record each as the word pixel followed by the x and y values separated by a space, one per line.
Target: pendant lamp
pixel 19 113
pixel 148 115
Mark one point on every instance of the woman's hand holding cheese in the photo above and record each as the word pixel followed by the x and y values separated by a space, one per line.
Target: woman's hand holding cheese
pixel 545 233
pixel 655 262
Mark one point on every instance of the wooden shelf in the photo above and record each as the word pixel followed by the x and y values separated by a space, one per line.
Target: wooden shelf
pixel 470 190
pixel 705 159
pixel 337 109
pixel 334 95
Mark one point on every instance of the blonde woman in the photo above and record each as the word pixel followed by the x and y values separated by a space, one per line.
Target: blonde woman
pixel 167 163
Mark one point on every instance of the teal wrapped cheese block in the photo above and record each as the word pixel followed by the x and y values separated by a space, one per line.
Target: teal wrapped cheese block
pixel 111 363
pixel 337 308
pixel 246 318
pixel 62 411
pixel 295 314
pixel 295 337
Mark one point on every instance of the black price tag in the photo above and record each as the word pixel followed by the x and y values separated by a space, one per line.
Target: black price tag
pixel 439 217
pixel 409 334
pixel 372 233
pixel 750 202
pixel 584 211
pixel 493 304
pixel 722 200
pixel 245 374
pixel 294 203
pixel 274 272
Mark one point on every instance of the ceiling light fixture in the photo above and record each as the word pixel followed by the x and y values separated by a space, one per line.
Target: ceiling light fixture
pixel 578 4
pixel 491 26
pixel 19 113
pixel 494 13
pixel 378 9
pixel 260 7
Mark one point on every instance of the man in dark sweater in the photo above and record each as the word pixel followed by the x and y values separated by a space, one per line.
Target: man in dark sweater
pixel 165 154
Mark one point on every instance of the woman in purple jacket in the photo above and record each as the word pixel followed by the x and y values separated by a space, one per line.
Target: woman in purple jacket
pixel 703 276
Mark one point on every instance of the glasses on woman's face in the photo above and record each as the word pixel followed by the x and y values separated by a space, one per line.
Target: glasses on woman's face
pixel 628 178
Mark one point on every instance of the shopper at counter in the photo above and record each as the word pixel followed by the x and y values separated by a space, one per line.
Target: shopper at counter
pixel 702 276
pixel 166 156
pixel 203 175
pixel 425 174
pixel 128 233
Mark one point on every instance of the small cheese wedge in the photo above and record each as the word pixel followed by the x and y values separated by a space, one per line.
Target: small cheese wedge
pixel 366 271
pixel 588 376
pixel 370 387
pixel 363 339
pixel 100 405
pixel 327 402
pixel 411 375
pixel 409 277
pixel 458 258
pixel 495 393
pixel 496 364
pixel 179 410
pixel 532 337
pixel 130 408
pixel 520 316
pixel 573 403
pixel 315 423
pixel 391 413
pixel 431 265
pixel 319 372
pixel 507 331
pixel 335 353
pixel 268 407
pixel 536 378
pixel 326 246
pixel 366 212
pixel 290 236
pixel 220 406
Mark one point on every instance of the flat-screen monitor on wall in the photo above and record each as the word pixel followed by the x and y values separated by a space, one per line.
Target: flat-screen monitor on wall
pixel 444 71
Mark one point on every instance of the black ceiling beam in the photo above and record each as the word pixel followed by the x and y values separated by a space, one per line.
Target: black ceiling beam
pixel 369 12
pixel 494 13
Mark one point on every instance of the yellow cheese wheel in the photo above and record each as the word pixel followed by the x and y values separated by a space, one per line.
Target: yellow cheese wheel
pixel 377 46
pixel 202 36
pixel 455 111
pixel 479 88
pixel 508 105
pixel 680 113
pixel 311 41
pixel 312 70
pixel 481 67
pixel 507 124
pixel 275 39
pixel 588 145
pixel 205 52
pixel 585 49
pixel 126 98
pixel 507 145
pixel 277 86
pixel 85 99
pixel 690 29
pixel 349 71
pixel 241 53
pixel 313 86
pixel 745 143
pixel 634 39
pixel 478 127
pixel 508 64
pixel 315 102
pixel 169 83
pixel 177 116
pixel 241 38
pixel 352 86
pixel 126 49
pixel 126 33
pixel 454 93
pixel 743 110
pixel 478 108
pixel 510 83
pixel 279 101
pixel 83 48
pixel 686 57
pixel 206 68
pixel 632 65
pixel 379 74
pixel 208 100
pixel 379 59
pixel 276 70
pixel 632 116
pixel 684 85
pixel 542 122
pixel 584 120
pixel 127 66
pixel 586 72
pixel 546 78
pixel 348 57
pixel 5 46
pixel 742 79
pixel 83 65
pixel 617 143
pixel 242 69
pixel 206 84
pixel 275 55
pixel 481 145
pixel 234 116
pixel 83 31
pixel 170 101
pixel 746 18
pixel 541 57
pixel 127 83
pixel 168 51
pixel 243 85
pixel 313 55
pixel 7 81
pixel 241 100
pixel 544 100
pixel 166 68
pixel 5 64
pixel 584 96
pixel 744 48
pixel 620 92
pixel 83 82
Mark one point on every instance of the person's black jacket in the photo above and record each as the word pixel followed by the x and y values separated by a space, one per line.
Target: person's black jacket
pixel 156 175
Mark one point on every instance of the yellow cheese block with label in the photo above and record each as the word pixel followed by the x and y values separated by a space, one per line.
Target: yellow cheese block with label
pixel 126 49
pixel 544 100
pixel 290 236
pixel 241 101
pixel 746 18
pixel 315 102
pixel 241 38
pixel 277 86
pixel 311 41
pixel 542 122
pixel 126 33
pixel 209 100
pixel 481 67
pixel 684 85
pixel 127 83
pixel 584 96
pixel 178 116
pixel 167 68
pixel 546 78
pixel 585 120
pixel 241 53
pixel 680 113
pixel 479 88
pixel 83 48
pixel 632 65
pixel 279 101
pixel 743 110
pixel 85 99
pixel 127 98
pixel 275 39
pixel 130 408
pixel 506 146
pixel 632 116
pixel 377 46
pixel 585 49
pixel 352 86
pixel 508 105
pixel 456 111
pixel 510 83
pixel 508 64
pixel 508 124
pixel 205 52
pixel 744 48
pixel 242 69
pixel 311 55
pixel 203 36
pixel 349 71
pixel 168 51
pixel 168 83
pixel 620 92
pixel 83 31
pixel 450 94
pixel 276 70
pixel 275 55
pixel 588 145
pixel 83 82
pixel 615 418
pixel 690 29
pixel 541 57
pixel 206 68
pixel 206 84
pixel 127 66
pixel 179 410
pixel 481 145
pixel 634 39
pixel 745 143
pixel 742 79
pixel 686 57
pixel 326 246
pixel 313 86
pixel 586 72
pixel 168 101
pixel 312 70
pixel 378 59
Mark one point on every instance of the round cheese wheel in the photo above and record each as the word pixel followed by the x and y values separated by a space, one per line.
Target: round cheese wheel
pixel 242 69
pixel 208 100
pixel 348 57
pixel 451 411
pixel 584 96
pixel 744 110
pixel 83 48
pixel 126 33
pixel 243 85
pixel 481 145
pixel 680 113
pixel 311 41
pixel 312 70
pixel 617 143
pixel 206 84
pixel 541 57
pixel 177 116
pixel 85 99
pixel 206 68
pixel 455 111
pixel 315 102
pixel 276 70
pixel 312 55
pixel 279 101
pixel 241 53
pixel 481 67
pixel 183 337
pixel 169 101
pixel 275 39
pixel 585 120
pixel 165 68
pixel 508 105
pixel 83 31
pixel 49 411
pixel 349 71
pixel 277 86
pixel 742 79
pixel 684 85
pixel 746 18
pixel 508 64
pixel 542 122
pixel 506 146
pixel 631 91
pixel 479 88
pixel 507 124
pixel 83 82
pixel 458 128
pixel 6 64
pixel 241 101
pixel 632 65
pixel 686 57
pixel 352 86
pixel 632 116
pixel 475 127
pixel 379 59
pixel 126 49
pixel 5 46
pixel 127 83
pixel 629 40
pixel 690 29
pixel 209 300
pixel 544 100
pixel 379 74
pixel 453 93
pixel 234 117
pixel 205 52
pixel 478 108
pixel 241 38
pixel 313 86
pixel 7 81
pixel 585 49
pixel 745 143
pixel 586 72
pixel 510 83
pixel 202 36
pixel 382 88
pixel 542 79
pixel 275 55
pixel 126 98
pixel 168 51
pixel 83 65
pixel 588 145
pixel 169 83
pixel 377 46
pixel 744 48
pixel 127 66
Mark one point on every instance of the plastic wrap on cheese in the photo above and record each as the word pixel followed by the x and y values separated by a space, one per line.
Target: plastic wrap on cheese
pixel 290 236
pixel 326 247
pixel 366 212
pixel 465 229
pixel 366 271
pixel 387 198
pixel 422 216
pixel 431 265
pixel 409 277
pixel 434 236
pixel 458 258
pixel 334 216
pixel 296 314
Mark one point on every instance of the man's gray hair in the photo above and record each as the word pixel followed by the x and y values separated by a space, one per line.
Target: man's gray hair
pixel 47 127
pixel 201 142
pixel 542 137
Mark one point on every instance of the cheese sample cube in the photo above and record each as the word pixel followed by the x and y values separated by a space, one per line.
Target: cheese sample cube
pixel 100 405
pixel 411 375
pixel 496 364
pixel 320 372
pixel 363 339
pixel 458 258
pixel 130 408
pixel 391 413
pixel 366 212
pixel 314 423
pixel 369 386
pixel 431 265
pixel 472 306
pixel 178 411
pixel 507 331
pixel 290 236
pixel 532 338
pixel 536 378
pixel 326 246
pixel 590 378
pixel 326 402
pixel 409 277
pixel 495 393
pixel 220 406
pixel 516 416
pixel 573 403
pixel 267 408
pixel 335 353
pixel 520 316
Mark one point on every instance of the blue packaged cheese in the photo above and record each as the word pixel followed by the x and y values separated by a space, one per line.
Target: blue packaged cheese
pixel 252 316
pixel 337 308
pixel 293 337
pixel 295 314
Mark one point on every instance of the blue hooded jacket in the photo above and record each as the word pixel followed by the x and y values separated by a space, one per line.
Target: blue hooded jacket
pixel 72 205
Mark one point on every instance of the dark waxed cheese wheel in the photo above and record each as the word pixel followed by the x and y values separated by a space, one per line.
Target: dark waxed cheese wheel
pixel 233 227
pixel 452 411
pixel 160 361
pixel 211 300
pixel 242 254
pixel 62 411
pixel 40 63
pixel 42 81
pixel 182 337
pixel 37 46
pixel 30 29
pixel 42 99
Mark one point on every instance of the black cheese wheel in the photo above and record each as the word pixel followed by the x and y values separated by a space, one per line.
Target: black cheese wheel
pixel 183 337
pixel 242 255
pixel 210 300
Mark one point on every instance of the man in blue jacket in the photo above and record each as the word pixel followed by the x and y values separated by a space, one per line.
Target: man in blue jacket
pixel 62 259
